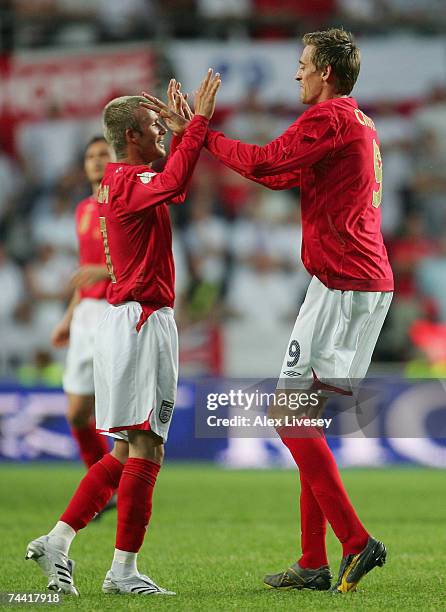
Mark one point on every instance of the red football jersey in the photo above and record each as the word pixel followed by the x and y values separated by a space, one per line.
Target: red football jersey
pixel 135 221
pixel 91 249
pixel 332 153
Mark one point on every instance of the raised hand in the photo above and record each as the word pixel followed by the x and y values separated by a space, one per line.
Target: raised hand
pixel 171 113
pixel 177 101
pixel 174 97
pixel 177 112
pixel 204 100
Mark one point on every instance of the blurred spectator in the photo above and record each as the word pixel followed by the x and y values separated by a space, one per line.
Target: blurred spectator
pixel 48 276
pixel 42 370
pixel 279 18
pixel 12 287
pixel 397 140
pixel 181 263
pixel 225 18
pixel 206 241
pixel 54 221
pixel 252 122
pixel 431 117
pixel 429 181
pixel 365 11
pixel 206 238
pixel 415 11
pixel 406 252
pixel 49 147
pixel 260 293
pixel 22 337
pixel 11 183
pixel 120 20
pixel 223 9
pixel 259 288
pixel 431 277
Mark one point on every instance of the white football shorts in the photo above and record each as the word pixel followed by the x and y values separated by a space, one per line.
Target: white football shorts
pixel 135 373
pixel 333 338
pixel 78 375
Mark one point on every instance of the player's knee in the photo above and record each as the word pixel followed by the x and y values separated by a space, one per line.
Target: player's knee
pixel 120 450
pixel 79 419
pixel 80 410
pixel 159 454
pixel 146 445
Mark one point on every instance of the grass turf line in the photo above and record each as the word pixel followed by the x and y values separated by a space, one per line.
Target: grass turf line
pixel 215 533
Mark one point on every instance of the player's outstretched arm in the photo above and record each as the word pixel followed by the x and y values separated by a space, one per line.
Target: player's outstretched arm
pixel 303 144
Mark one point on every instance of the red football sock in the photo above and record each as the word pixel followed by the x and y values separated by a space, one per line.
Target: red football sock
pixel 318 466
pixel 313 528
pixel 93 492
pixel 135 502
pixel 92 445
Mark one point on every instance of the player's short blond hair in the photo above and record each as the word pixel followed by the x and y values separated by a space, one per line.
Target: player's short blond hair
pixel 336 48
pixel 118 116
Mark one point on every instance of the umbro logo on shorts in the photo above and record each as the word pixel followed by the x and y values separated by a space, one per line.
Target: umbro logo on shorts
pixel 292 373
pixel 166 410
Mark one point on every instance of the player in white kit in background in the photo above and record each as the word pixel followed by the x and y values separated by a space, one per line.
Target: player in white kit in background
pixel 78 326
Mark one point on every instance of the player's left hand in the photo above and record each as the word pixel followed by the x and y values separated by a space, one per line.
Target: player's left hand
pixel 177 101
pixel 60 336
pixel 89 275
pixel 171 113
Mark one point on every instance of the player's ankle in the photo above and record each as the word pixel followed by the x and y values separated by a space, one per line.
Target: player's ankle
pixel 61 536
pixel 124 564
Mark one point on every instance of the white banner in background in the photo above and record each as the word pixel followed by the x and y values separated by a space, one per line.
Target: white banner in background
pixel 394 68
pixel 75 82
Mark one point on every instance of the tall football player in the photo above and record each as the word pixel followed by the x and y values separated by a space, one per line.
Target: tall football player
pixel 332 153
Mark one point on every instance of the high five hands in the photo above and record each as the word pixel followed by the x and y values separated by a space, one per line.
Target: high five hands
pixel 177 113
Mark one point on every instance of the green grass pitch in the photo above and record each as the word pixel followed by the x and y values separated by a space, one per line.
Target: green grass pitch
pixel 214 533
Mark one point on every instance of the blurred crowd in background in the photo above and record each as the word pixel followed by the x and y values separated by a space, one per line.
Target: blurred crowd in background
pixel 236 244
pixel 49 22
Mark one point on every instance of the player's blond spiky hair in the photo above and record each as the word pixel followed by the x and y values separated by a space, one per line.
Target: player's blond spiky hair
pixel 120 115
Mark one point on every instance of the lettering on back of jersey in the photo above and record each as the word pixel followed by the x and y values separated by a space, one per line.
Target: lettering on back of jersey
pixel 364 119
pixel 103 194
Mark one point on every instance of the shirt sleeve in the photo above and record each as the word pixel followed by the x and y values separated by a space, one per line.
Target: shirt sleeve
pixel 170 185
pixel 176 140
pixel 303 144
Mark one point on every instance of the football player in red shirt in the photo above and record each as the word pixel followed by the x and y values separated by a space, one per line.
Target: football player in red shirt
pixel 78 325
pixel 332 153
pixel 136 352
